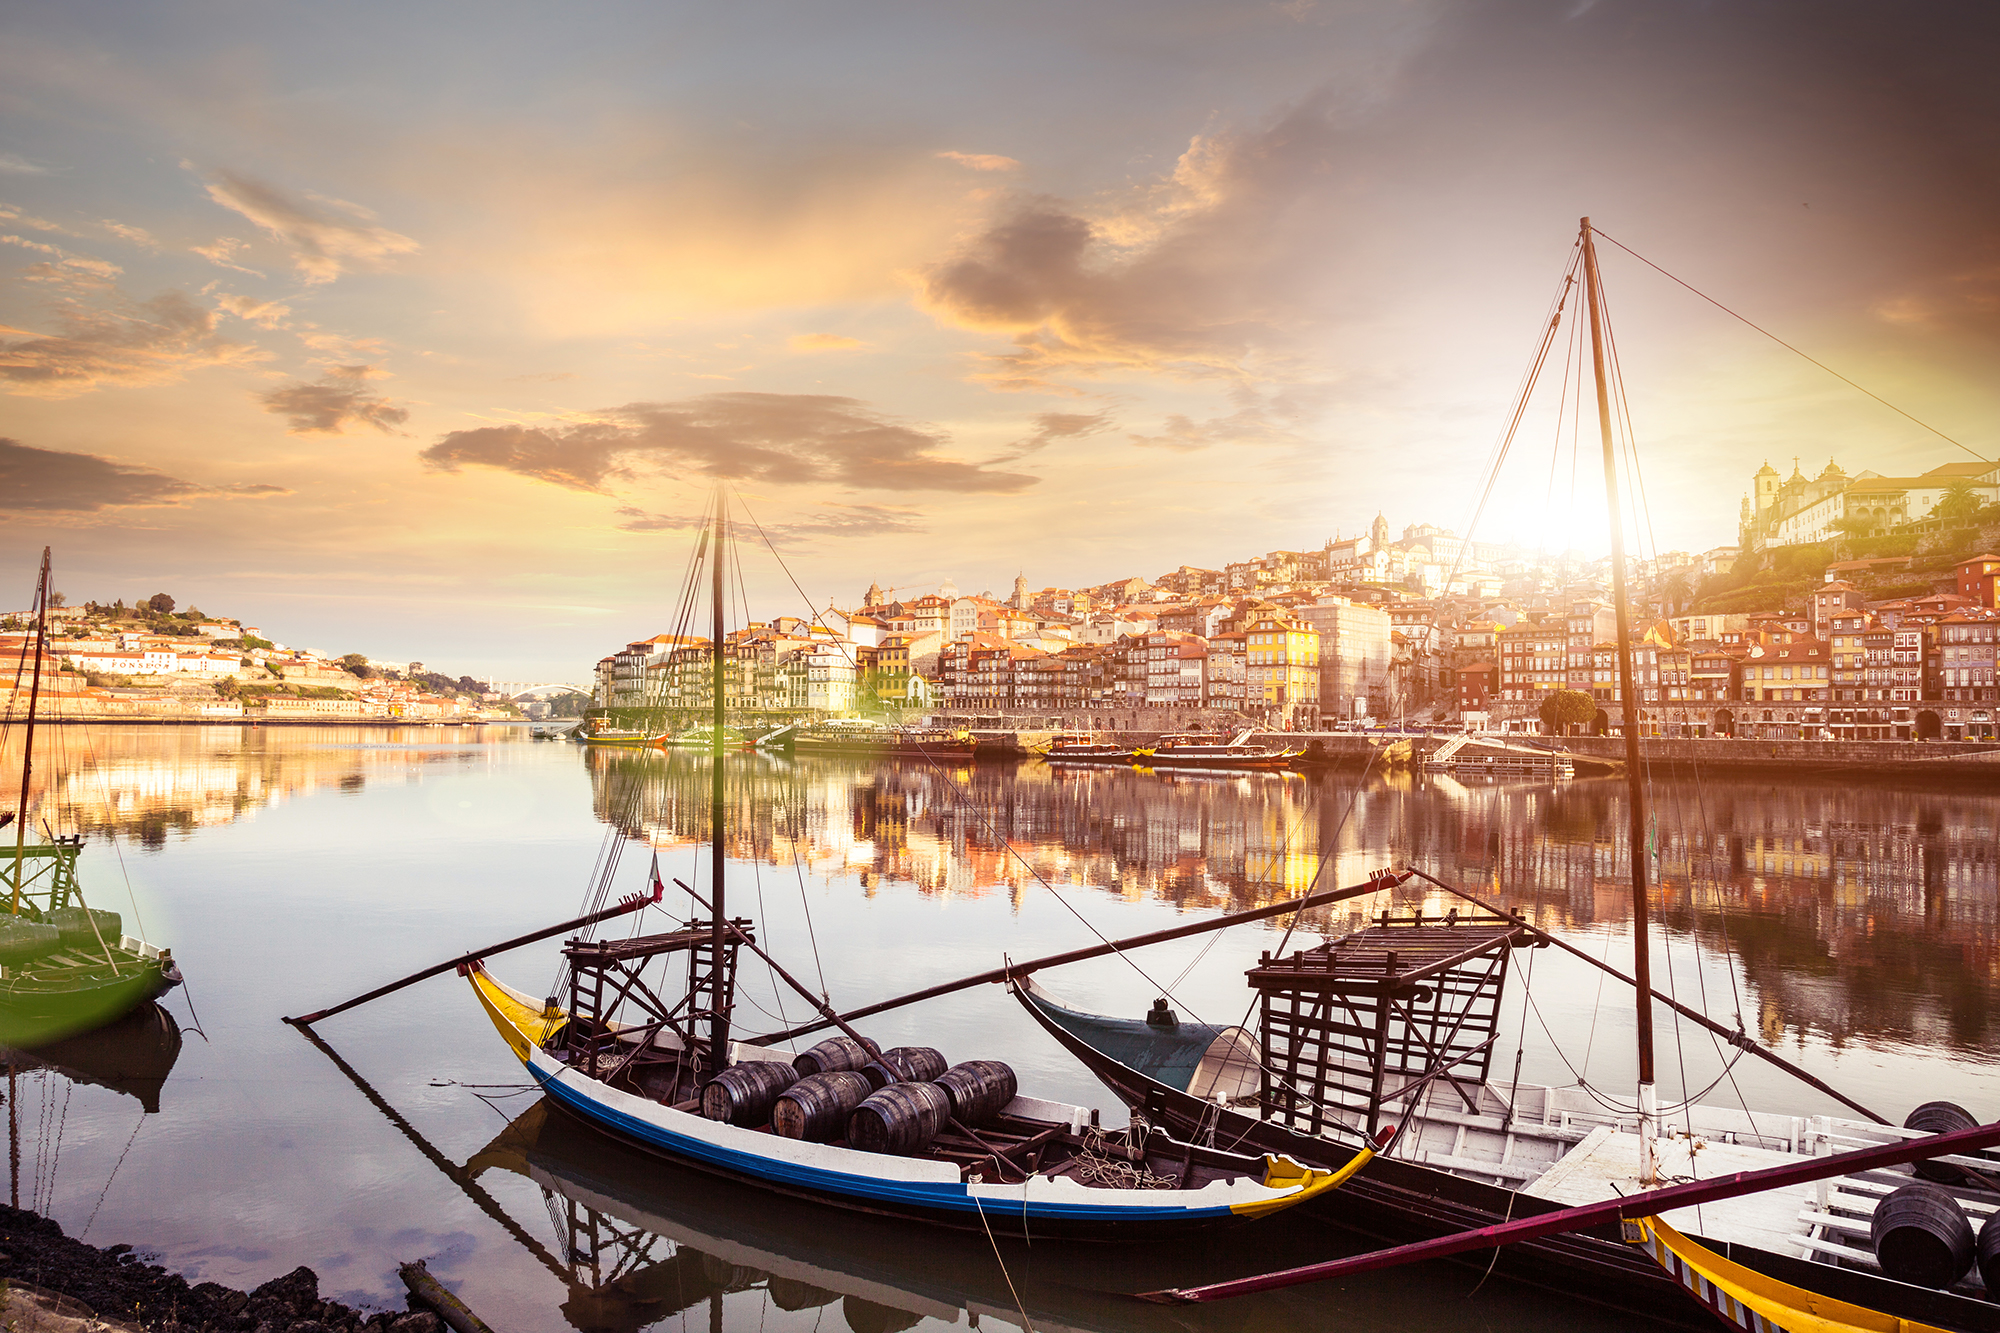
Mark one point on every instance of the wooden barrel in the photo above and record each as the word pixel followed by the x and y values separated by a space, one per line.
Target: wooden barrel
pixel 83 926
pixel 1921 1236
pixel 1939 1118
pixel 743 1094
pixel 905 1064
pixel 979 1089
pixel 836 1054
pixel 816 1107
pixel 901 1118
pixel 1988 1250
pixel 22 939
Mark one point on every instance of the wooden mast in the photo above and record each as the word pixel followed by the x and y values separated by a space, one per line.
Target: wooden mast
pixel 1642 968
pixel 28 743
pixel 718 1029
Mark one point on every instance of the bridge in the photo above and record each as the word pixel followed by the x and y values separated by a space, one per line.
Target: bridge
pixel 519 689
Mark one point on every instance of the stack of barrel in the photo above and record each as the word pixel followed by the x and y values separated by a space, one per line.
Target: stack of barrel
pixel 893 1101
pixel 1920 1231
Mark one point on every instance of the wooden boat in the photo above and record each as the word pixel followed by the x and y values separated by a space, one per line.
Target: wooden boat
pixel 1194 750
pixel 879 741
pixel 625 737
pixel 846 1123
pixel 65 967
pixel 1404 1013
pixel 1081 749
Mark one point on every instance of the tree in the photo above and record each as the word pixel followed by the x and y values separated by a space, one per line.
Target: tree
pixel 160 603
pixel 1564 709
pixel 226 688
pixel 57 599
pixel 357 663
pixel 1959 504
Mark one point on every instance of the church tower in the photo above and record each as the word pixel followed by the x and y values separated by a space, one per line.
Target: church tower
pixel 874 595
pixel 1378 532
pixel 1764 487
pixel 1021 592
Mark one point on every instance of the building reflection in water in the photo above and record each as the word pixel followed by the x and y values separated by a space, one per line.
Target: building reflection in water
pixel 1851 911
pixel 150 782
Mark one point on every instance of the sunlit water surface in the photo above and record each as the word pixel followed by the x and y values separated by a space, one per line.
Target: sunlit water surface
pixel 1852 928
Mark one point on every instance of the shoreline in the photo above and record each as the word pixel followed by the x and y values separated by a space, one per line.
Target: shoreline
pixel 118 1285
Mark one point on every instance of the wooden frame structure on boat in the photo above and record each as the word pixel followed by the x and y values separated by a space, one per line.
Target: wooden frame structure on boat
pixel 1413 998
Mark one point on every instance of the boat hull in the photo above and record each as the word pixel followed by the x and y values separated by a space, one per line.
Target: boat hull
pixel 1398 1202
pixel 42 1003
pixel 912 1188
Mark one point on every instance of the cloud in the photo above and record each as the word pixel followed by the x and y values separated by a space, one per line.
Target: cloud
pixel 16 165
pixel 982 161
pixel 324 240
pixel 1261 418
pixel 9 213
pixel 27 244
pixel 791 439
pixel 1053 426
pixel 222 253
pixel 145 342
pixel 834 520
pixel 340 399
pixel 264 314
pixel 136 235
pixel 823 342
pixel 1212 270
pixel 54 481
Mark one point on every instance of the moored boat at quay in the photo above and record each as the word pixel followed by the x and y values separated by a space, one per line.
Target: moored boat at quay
pixel 878 740
pixel 1082 749
pixel 1194 750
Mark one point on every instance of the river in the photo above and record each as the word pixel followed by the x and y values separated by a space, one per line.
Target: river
pixel 1853 928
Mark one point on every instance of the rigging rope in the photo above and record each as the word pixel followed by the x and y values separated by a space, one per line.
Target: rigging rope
pixel 1788 347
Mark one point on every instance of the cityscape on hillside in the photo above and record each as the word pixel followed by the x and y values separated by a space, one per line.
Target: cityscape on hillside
pixel 150 662
pixel 1859 608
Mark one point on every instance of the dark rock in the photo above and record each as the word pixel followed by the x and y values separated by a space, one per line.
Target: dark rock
pixel 300 1287
pixel 264 1309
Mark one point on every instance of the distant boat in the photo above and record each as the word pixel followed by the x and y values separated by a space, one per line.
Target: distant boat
pixel 1083 750
pixel 879 740
pixel 65 967
pixel 1194 750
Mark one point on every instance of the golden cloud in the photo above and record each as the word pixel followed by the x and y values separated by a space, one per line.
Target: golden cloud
pixel 823 342
pixel 324 240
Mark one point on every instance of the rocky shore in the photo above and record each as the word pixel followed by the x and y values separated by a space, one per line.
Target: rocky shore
pixel 125 1292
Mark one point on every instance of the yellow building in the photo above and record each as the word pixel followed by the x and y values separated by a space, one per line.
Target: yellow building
pixel 1281 661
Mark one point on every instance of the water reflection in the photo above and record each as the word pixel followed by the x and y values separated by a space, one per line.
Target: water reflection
pixel 1851 911
pixel 150 782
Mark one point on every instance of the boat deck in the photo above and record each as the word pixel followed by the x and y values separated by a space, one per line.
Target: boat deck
pixel 1562 1145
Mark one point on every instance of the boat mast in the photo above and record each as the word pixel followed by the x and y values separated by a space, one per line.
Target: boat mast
pixel 28 744
pixel 1642 968
pixel 718 1028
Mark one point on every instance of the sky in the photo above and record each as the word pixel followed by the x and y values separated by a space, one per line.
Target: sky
pixel 426 331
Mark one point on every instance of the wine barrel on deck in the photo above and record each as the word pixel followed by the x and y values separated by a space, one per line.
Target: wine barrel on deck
pixel 836 1054
pixel 1988 1250
pixel 1921 1236
pixel 816 1107
pixel 901 1118
pixel 86 925
pixel 979 1089
pixel 906 1064
pixel 1939 1118
pixel 744 1093
pixel 22 939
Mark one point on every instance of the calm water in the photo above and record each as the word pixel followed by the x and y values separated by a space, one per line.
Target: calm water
pixel 1854 928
